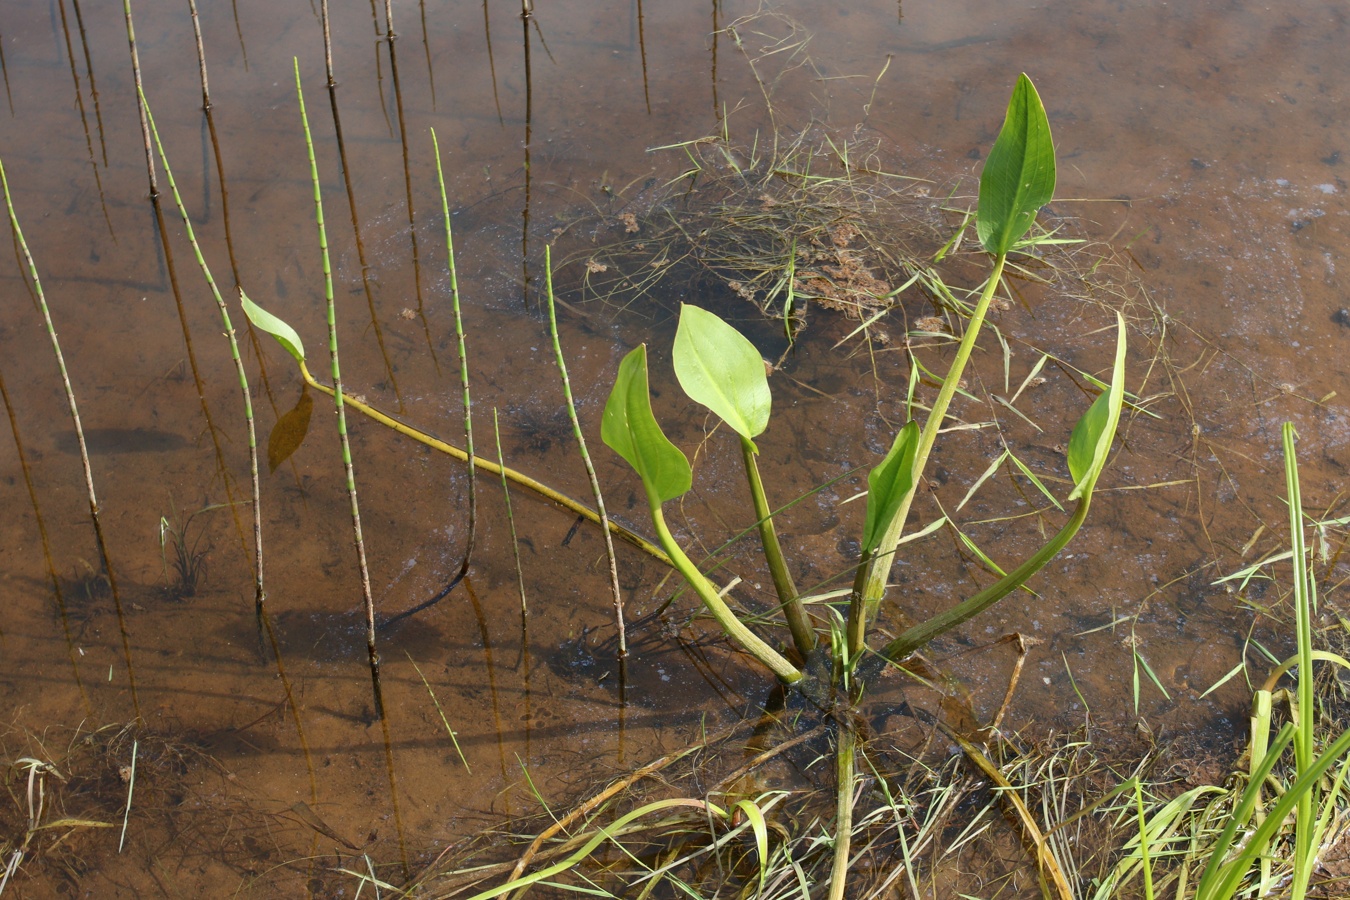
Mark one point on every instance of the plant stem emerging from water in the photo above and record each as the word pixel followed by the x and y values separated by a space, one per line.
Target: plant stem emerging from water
pixel 463 368
pixel 79 434
pixel 803 634
pixel 259 595
pixel 585 455
pixel 338 401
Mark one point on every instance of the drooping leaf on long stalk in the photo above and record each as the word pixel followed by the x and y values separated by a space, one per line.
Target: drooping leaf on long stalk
pixel 290 341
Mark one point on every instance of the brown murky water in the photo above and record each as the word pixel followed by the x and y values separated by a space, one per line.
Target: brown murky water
pixel 1209 141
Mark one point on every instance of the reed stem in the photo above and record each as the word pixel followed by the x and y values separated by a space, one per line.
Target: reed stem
pixel 259 595
pixel 463 363
pixel 338 398
pixel 94 512
pixel 585 455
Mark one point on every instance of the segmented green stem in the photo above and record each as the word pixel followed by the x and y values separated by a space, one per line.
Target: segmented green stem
pixel 259 595
pixel 337 391
pixel 870 585
pixel 463 360
pixel 585 455
pixel 136 77
pixel 803 634
pixel 79 434
pixel 734 627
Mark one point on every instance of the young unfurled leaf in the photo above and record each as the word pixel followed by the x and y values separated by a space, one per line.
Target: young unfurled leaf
pixel 719 368
pixel 278 329
pixel 630 430
pixel 1092 436
pixel 1019 175
pixel 289 432
pixel 888 484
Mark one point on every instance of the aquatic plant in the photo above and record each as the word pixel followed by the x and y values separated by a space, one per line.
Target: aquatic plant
pixel 720 369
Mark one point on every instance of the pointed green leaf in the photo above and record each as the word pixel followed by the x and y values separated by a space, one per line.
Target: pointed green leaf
pixel 278 329
pixel 719 368
pixel 630 430
pixel 888 485
pixel 1019 175
pixel 1092 436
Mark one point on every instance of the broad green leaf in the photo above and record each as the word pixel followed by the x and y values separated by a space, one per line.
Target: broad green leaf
pixel 278 329
pixel 719 368
pixel 630 430
pixel 1019 175
pixel 1092 436
pixel 289 432
pixel 888 485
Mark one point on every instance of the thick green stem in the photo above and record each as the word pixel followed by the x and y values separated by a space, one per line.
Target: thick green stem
pixel 803 634
pixel 843 820
pixel 870 584
pixel 734 627
pixel 921 634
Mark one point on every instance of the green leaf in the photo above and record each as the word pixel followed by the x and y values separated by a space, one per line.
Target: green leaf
pixel 719 368
pixel 1092 436
pixel 888 485
pixel 278 329
pixel 630 430
pixel 1019 175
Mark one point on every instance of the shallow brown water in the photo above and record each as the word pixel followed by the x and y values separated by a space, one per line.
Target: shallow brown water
pixel 1210 139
